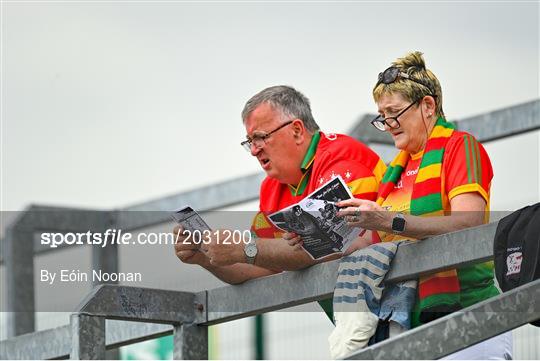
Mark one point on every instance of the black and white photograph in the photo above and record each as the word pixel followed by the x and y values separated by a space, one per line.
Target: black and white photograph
pixel 315 220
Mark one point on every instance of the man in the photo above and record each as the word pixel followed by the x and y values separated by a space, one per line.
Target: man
pixel 297 158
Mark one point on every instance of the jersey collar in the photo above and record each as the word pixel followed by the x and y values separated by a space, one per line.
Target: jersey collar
pixel 306 166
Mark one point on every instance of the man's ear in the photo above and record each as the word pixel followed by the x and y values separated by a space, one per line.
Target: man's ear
pixel 299 131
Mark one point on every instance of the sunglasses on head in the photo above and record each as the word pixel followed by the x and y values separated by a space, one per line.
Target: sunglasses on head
pixel 391 74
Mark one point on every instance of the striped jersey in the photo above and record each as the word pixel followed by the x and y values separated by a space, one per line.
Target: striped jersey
pixel 465 168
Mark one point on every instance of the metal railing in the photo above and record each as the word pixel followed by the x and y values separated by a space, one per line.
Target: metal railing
pixel 110 306
pixel 189 314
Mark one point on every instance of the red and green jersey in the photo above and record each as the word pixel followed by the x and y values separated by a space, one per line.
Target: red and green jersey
pixel 328 156
pixel 466 168
pixel 423 184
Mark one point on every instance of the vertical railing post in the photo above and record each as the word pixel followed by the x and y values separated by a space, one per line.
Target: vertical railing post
pixel 105 259
pixel 259 337
pixel 190 342
pixel 19 258
pixel 87 337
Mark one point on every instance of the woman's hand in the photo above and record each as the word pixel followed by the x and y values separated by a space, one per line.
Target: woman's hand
pixel 365 214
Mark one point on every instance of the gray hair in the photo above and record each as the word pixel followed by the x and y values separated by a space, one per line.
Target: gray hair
pixel 287 100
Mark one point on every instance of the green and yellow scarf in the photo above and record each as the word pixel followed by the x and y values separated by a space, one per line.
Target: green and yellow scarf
pixel 440 292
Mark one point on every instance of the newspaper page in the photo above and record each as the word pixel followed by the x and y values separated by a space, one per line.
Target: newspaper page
pixel 315 219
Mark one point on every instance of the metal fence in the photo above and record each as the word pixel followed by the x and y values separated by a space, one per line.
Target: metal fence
pixel 187 315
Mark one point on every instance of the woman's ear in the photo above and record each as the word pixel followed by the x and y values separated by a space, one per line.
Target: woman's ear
pixel 430 106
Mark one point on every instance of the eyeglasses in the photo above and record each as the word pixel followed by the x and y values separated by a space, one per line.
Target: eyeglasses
pixel 391 74
pixel 392 122
pixel 260 140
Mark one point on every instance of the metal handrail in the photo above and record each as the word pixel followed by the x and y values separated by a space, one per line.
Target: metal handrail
pixel 287 289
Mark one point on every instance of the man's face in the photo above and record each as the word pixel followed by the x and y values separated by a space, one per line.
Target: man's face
pixel 280 157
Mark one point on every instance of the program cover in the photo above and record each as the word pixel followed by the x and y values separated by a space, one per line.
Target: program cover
pixel 190 219
pixel 315 219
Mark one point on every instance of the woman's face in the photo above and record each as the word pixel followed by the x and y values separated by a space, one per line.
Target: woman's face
pixel 412 134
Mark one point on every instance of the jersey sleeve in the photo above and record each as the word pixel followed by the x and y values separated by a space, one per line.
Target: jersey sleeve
pixel 261 226
pixel 362 181
pixel 467 167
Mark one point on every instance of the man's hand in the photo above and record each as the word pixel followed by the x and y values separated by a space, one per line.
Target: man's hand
pixel 293 240
pixel 359 243
pixel 185 250
pixel 220 253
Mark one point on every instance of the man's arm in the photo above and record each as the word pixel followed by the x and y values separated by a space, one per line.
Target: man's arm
pixel 277 254
pixel 237 273
pixel 228 261
pixel 274 254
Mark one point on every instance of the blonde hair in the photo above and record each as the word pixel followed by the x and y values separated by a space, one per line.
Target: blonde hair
pixel 413 64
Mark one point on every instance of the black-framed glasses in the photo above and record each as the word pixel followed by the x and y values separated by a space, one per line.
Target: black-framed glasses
pixel 391 74
pixel 392 122
pixel 260 140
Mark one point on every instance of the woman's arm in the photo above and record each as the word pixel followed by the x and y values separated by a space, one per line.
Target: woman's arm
pixel 467 210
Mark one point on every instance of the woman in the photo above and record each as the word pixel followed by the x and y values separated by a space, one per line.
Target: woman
pixel 439 172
